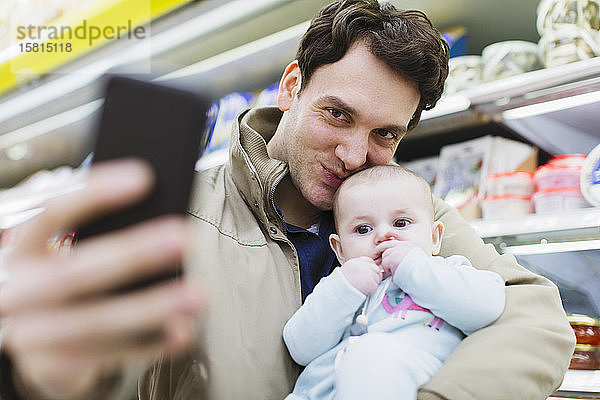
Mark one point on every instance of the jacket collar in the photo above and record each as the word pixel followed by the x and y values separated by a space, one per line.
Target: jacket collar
pixel 254 173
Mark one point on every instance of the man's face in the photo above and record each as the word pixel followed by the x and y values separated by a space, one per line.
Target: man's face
pixel 351 115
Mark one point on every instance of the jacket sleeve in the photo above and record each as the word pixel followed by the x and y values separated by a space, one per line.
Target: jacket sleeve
pixel 120 385
pixel 522 355
pixel 319 324
pixel 467 298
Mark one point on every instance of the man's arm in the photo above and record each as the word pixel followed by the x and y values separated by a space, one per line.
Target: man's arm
pixel 65 330
pixel 319 324
pixel 525 353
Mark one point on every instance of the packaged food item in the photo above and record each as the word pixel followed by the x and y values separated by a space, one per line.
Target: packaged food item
pixel 457 40
pixel 554 200
pixel 426 167
pixel 506 206
pixel 550 176
pixel 504 59
pixel 463 73
pixel 227 110
pixel 568 44
pixel 568 159
pixel 463 167
pixel 586 329
pixel 585 357
pixel 555 14
pixel 267 96
pixel 590 177
pixel 519 183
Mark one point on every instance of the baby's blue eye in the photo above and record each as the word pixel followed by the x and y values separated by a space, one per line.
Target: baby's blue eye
pixel 363 229
pixel 401 223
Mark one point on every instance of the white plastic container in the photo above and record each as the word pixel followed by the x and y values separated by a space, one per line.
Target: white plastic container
pixel 554 200
pixel 568 159
pixel 550 176
pixel 464 72
pixel 590 177
pixel 568 44
pixel 556 14
pixel 506 206
pixel 504 59
pixel 518 183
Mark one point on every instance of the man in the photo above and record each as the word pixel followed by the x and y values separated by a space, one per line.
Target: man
pixel 258 245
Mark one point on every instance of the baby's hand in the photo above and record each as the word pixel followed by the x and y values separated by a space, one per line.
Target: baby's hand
pixel 363 274
pixel 392 253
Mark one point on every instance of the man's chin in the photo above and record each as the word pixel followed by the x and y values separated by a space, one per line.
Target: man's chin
pixel 323 201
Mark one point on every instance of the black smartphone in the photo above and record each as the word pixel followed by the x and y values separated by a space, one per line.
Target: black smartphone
pixel 162 124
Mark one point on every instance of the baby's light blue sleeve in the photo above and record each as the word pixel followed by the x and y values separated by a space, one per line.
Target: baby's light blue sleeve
pixel 320 323
pixel 452 289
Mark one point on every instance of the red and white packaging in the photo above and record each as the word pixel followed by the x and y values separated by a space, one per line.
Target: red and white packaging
pixel 549 176
pixel 506 206
pixel 572 160
pixel 553 200
pixel 518 183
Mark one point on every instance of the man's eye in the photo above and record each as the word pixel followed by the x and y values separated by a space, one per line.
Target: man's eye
pixel 337 114
pixel 401 223
pixel 363 229
pixel 386 134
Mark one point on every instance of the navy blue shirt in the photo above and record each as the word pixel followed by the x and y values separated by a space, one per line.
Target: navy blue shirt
pixel 314 253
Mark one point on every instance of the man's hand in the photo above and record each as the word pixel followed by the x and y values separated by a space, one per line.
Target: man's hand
pixel 363 274
pixel 392 253
pixel 64 328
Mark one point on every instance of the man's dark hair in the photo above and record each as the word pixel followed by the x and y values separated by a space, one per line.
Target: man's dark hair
pixel 405 40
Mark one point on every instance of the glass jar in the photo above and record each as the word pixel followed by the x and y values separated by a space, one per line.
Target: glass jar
pixel 587 329
pixel 585 357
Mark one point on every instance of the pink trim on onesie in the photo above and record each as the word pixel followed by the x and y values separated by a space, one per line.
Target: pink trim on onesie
pixel 407 304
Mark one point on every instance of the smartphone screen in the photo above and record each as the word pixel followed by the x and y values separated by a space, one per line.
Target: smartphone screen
pixel 161 124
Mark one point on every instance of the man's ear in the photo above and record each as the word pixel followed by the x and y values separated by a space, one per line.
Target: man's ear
pixel 289 85
pixel 336 246
pixel 436 237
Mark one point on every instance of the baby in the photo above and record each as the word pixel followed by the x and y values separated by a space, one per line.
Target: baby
pixel 382 324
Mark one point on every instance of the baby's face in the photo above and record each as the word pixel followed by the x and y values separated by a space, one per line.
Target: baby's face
pixel 370 213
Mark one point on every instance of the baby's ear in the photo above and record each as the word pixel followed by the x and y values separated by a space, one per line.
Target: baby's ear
pixel 336 246
pixel 436 237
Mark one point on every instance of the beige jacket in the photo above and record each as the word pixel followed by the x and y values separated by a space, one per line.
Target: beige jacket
pixel 251 270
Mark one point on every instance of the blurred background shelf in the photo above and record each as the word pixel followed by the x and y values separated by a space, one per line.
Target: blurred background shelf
pixel 564 247
pixel 244 45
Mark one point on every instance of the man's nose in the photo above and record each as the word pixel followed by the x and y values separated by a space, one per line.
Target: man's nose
pixel 353 150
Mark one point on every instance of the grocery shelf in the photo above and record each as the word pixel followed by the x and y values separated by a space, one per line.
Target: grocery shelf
pixel 516 101
pixel 584 222
pixel 563 246
pixel 17 65
pixel 580 384
pixel 565 231
pixel 81 82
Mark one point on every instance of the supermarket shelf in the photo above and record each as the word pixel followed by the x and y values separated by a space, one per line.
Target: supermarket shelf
pixel 580 384
pixel 79 83
pixel 581 223
pixel 16 64
pixel 546 248
pixel 518 100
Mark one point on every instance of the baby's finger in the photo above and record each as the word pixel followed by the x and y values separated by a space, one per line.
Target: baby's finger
pixel 388 244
